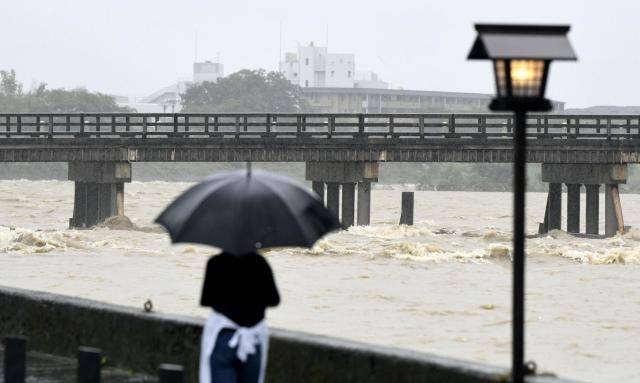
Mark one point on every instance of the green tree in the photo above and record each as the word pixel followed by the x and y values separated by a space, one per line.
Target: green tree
pixel 253 91
pixel 9 86
pixel 43 100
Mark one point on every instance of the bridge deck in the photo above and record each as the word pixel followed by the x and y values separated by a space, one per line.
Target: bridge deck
pixel 315 137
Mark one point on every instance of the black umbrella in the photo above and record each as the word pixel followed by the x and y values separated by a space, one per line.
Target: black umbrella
pixel 243 211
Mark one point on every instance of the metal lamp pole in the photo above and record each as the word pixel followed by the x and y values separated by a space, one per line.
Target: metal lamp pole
pixel 521 56
pixel 519 185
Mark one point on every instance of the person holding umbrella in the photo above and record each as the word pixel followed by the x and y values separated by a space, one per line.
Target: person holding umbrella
pixel 240 213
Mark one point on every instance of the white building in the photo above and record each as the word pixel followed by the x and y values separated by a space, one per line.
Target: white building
pixel 314 67
pixel 369 80
pixel 207 71
pixel 168 98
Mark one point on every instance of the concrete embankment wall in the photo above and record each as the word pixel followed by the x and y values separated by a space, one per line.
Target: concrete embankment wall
pixel 139 341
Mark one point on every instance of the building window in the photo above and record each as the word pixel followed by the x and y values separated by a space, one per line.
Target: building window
pixel 306 61
pixel 349 74
pixel 332 73
pixel 306 83
pixel 295 74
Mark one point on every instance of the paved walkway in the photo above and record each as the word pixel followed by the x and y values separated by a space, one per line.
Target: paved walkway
pixel 43 368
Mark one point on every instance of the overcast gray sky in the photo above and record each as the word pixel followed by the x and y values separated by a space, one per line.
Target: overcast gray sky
pixel 135 47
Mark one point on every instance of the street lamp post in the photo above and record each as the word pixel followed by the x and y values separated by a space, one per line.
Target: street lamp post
pixel 521 56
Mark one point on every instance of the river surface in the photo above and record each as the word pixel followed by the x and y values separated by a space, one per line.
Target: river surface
pixel 442 286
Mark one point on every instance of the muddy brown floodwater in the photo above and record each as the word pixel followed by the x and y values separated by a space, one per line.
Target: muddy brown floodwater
pixel 439 291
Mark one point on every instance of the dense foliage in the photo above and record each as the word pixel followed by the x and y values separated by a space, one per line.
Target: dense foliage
pixel 42 100
pixel 248 91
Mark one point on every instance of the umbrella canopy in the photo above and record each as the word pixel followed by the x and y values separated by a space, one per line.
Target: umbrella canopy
pixel 246 210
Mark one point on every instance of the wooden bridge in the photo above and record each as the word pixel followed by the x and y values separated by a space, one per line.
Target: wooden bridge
pixel 342 152
pixel 315 137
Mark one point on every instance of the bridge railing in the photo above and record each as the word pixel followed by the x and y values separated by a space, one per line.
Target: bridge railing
pixel 287 125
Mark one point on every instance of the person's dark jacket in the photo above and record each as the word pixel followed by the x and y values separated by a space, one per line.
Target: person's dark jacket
pixel 240 287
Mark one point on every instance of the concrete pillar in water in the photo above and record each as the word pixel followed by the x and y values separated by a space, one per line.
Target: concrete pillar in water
pixel 573 208
pixel 543 228
pixel 617 206
pixel 120 199
pixel 593 209
pixel 364 203
pixel 99 191
pixel 348 203
pixel 333 198
pixel 93 202
pixel 318 188
pixel 555 206
pixel 610 226
pixel 346 174
pixel 591 175
pixel 406 215
pixel 613 221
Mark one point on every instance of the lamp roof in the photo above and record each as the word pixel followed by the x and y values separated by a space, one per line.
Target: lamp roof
pixel 537 42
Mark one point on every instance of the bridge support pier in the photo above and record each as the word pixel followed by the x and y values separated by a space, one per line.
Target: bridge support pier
pixel 555 206
pixel 593 209
pixel 592 176
pixel 613 221
pixel 318 188
pixel 364 203
pixel 573 208
pixel 348 203
pixel 333 198
pixel 406 214
pixel 341 179
pixel 98 191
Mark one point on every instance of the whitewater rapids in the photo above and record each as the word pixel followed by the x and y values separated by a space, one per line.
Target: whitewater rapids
pixel 442 286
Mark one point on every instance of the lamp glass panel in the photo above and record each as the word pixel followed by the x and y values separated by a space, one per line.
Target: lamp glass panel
pixel 526 77
pixel 501 77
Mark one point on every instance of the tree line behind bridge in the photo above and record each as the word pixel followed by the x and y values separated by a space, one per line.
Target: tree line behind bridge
pixel 246 91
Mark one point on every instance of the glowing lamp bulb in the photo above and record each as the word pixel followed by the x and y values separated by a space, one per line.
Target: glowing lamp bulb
pixel 521 74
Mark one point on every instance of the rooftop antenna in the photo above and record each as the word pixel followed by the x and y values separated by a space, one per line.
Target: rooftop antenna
pixel 280 42
pixel 327 37
pixel 196 48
